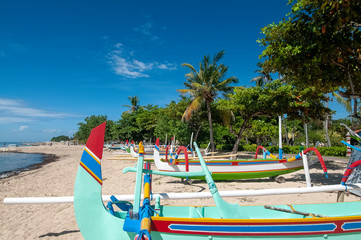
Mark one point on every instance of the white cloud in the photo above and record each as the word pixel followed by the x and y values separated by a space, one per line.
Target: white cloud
pixel 22 128
pixel 125 68
pixel 124 63
pixel 51 131
pixel 10 102
pixel 167 66
pixel 146 30
pixel 14 120
pixel 14 110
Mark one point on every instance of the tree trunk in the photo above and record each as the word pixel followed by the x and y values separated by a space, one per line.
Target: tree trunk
pixel 286 132
pixel 354 112
pixel 325 126
pixel 306 134
pixel 293 133
pixel 196 135
pixel 240 134
pixel 210 125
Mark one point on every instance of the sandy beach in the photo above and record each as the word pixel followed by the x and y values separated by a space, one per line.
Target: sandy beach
pixel 56 178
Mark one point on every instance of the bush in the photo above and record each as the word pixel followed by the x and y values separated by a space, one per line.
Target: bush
pixel 333 151
pixel 250 148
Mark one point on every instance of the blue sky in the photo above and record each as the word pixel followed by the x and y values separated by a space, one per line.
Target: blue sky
pixel 61 61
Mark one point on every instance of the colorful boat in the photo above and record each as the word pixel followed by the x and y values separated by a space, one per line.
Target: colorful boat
pixel 235 169
pixel 225 221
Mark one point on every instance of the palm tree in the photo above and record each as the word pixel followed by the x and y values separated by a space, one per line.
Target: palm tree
pixel 205 85
pixel 134 101
pixel 264 75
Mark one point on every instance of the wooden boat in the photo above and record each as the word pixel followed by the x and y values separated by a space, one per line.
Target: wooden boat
pixel 236 169
pixel 225 221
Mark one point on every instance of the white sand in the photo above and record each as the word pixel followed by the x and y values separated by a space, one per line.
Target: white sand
pixel 57 178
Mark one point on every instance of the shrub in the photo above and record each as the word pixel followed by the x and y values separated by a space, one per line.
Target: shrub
pixel 333 151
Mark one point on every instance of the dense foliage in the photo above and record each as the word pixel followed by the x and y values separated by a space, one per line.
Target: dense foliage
pixel 319 45
pixel 60 138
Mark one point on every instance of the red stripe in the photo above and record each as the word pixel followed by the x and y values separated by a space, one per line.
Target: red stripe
pixel 91 174
pixel 163 226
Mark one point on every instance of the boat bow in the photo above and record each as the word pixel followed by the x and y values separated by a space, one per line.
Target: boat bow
pixel 94 220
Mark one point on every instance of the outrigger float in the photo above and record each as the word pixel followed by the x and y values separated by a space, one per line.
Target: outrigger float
pixel 225 221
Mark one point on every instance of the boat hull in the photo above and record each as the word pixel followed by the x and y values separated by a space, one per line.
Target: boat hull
pixel 231 169
pixel 306 228
pixel 223 222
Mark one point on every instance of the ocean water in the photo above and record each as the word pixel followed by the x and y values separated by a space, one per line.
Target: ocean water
pixel 11 162
pixel 12 144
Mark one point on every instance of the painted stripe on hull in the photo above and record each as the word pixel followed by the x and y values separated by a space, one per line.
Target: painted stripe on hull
pixel 92 165
pixel 291 227
pixel 228 162
pixel 251 229
pixel 352 226
pixel 249 175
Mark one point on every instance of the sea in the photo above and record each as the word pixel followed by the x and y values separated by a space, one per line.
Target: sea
pixel 13 162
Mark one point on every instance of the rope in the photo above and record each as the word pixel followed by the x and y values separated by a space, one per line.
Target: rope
pixel 143 233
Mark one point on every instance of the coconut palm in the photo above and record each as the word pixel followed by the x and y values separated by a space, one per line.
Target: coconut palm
pixel 205 85
pixel 264 75
pixel 134 104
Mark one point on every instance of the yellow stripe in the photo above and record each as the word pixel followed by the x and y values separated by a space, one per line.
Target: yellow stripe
pixel 146 190
pixel 272 156
pixel 90 172
pixel 291 159
pixel 145 224
pixel 92 155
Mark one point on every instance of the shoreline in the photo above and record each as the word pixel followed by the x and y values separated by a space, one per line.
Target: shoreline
pixel 46 158
pixel 56 178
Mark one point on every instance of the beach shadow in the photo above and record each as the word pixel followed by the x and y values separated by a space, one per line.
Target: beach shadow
pixel 193 183
pixel 319 178
pixel 329 165
pixel 59 234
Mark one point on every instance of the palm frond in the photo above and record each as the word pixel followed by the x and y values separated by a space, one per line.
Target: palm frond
pixel 227 81
pixel 184 91
pixel 189 66
pixel 227 117
pixel 197 86
pixel 194 106
pixel 218 57
pixel 344 102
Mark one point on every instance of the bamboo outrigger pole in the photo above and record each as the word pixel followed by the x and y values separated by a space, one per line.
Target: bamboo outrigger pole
pixel 192 195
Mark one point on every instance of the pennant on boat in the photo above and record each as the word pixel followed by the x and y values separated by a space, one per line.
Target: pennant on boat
pixel 96 140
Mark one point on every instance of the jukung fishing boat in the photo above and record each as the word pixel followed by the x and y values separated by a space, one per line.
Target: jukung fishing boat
pixel 235 169
pixel 224 221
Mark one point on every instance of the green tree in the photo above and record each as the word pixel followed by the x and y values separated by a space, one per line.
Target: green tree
pixel 60 138
pixel 205 85
pixel 89 123
pixel 273 99
pixel 127 127
pixel 318 45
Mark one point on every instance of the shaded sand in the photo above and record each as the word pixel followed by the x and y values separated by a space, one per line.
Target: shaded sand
pixel 57 221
